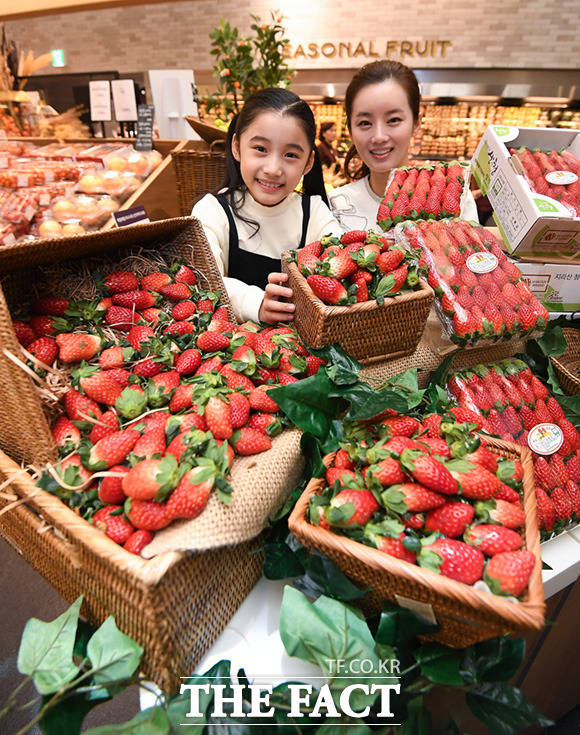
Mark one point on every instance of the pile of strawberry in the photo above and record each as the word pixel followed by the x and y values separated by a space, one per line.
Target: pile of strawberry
pixel 422 192
pixel 538 164
pixel 474 307
pixel 165 390
pixel 430 493
pixel 508 400
pixel 357 267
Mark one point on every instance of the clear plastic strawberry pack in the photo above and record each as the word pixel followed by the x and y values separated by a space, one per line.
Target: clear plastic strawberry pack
pixel 506 399
pixel 481 296
pixel 429 492
pixel 423 192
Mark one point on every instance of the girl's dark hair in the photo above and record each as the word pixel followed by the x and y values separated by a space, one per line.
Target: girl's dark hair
pixel 265 100
pixel 323 128
pixel 374 73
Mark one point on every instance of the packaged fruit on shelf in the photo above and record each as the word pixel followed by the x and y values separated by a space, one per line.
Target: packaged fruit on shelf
pixel 481 297
pixel 506 399
pixel 92 211
pixel 424 192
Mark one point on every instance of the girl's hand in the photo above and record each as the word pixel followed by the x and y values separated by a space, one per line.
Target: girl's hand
pixel 273 308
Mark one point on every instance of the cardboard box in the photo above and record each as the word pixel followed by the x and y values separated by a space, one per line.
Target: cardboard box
pixel 530 223
pixel 556 285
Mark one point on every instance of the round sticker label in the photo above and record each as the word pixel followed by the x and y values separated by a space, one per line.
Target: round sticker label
pixel 545 438
pixel 561 177
pixel 482 262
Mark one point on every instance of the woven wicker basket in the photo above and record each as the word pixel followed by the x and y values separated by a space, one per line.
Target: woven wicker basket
pixel 465 615
pixel 567 366
pixel 367 331
pixel 174 605
pixel 199 171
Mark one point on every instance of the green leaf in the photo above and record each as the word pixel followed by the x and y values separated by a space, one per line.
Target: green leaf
pixel 180 704
pixel 46 650
pixel 113 654
pixel 552 342
pixel 503 708
pixel 336 356
pixel 280 562
pixel 152 721
pixel 68 714
pixel 440 664
pixel 323 576
pixel 418 720
pixel 493 660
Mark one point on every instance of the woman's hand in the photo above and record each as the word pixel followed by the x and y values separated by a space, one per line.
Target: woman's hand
pixel 273 308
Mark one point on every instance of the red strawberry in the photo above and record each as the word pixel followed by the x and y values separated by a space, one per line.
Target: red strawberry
pixel 505 492
pixel 147 515
pixel 450 519
pixel 111 487
pixel 79 407
pixel 247 441
pixel 135 299
pixel 207 366
pixel 339 265
pixel 218 418
pixel 492 539
pixel 183 310
pixel 393 546
pixel 437 446
pixel 100 386
pixel 398 444
pixel 45 350
pixel 352 236
pixel 161 387
pixel 147 368
pixel 188 362
pixel 25 334
pixel 116 527
pixel 51 306
pixel 390 259
pixel 110 450
pixel 239 409
pixel 573 492
pixel 120 317
pixel 506 514
pixel 559 469
pixel 182 398
pixel 115 357
pixel 363 503
pixel 65 434
pixel 432 423
pixel 151 443
pixel 508 573
pixel 402 425
pixel 267 423
pixel 261 401
pixel 185 274
pixel 541 413
pixel 139 335
pixel 453 559
pixel 213 341
pixel 329 290
pixel 341 475
pixel 474 481
pixel 151 479
pixel 155 281
pixel 412 497
pixel 151 315
pixel 544 475
pixel 234 379
pixel 429 472
pixel 191 495
pixel 176 292
pixel 570 432
pixel 313 365
pixel 137 541
pixel 555 409
pixel 562 505
pixel 573 468
pixel 120 281
pixel 512 421
pixel 494 423
pixel 466 415
pixel 205 306
pixel 306 262
pixel 314 247
pixel 74 347
pixel 388 472
pixel 540 390
pixel 546 510
pixel 107 424
pixel 527 318
pixel 342 459
pixel 42 325
pixel 178 329
pixel 483 457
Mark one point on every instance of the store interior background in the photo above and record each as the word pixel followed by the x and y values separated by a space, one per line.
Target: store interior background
pixel 502 47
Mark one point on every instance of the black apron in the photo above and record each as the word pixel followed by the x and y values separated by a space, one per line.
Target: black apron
pixel 252 268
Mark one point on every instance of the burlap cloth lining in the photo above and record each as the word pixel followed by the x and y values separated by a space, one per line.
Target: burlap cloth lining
pixel 261 484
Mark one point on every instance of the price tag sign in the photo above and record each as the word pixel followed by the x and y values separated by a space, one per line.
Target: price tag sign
pixel 482 262
pixel 561 177
pixel 545 438
pixel 130 216
pixel 145 118
pixel 100 101
pixel 124 100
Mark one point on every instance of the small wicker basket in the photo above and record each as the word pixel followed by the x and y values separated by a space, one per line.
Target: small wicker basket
pixel 465 615
pixel 567 366
pixel 366 331
pixel 198 171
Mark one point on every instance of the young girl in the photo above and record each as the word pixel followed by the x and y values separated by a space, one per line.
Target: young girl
pixel 257 213
pixel 382 110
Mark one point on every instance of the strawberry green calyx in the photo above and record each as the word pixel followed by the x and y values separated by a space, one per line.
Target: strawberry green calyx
pixel 131 403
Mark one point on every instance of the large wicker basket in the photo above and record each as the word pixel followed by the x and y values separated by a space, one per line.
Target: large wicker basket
pixel 567 366
pixel 465 615
pixel 199 170
pixel 174 605
pixel 367 331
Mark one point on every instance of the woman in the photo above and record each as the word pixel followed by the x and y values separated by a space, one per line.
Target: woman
pixel 326 150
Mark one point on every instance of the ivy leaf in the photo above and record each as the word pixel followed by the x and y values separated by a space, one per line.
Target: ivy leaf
pixel 418 720
pixel 552 342
pixel 180 704
pixel 503 708
pixel 46 650
pixel 440 664
pixel 322 576
pixel 114 654
pixel 398 625
pixel 152 721
pixel 496 659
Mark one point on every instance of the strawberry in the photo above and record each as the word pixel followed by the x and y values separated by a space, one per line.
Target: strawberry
pixel 212 341
pixel 120 281
pixel 137 541
pixel 139 335
pixel 450 519
pixel 115 357
pixel 412 497
pixel 465 415
pixel 394 281
pixel 151 479
pixel 527 417
pixel 80 408
pixel 150 444
pixel 147 515
pixel 474 481
pixel 483 457
pixel 546 510
pixel 110 450
pixel 342 459
pixel 261 401
pixel 135 299
pixel 65 434
pixel 178 329
pixel 44 349
pixel 562 505
pixel 544 475
pixel 247 441
pixel 120 317
pixel 183 310
pixel 494 424
pixel 188 361
pixel 161 387
pixel 314 247
pixel 75 347
pixel 313 364
pixel 107 424
pixel 398 444
pixel 507 573
pixel 42 326
pixel 527 318
pixel 512 421
pixel 353 236
pixel 111 487
pixel 116 527
pixel 437 446
pixel 25 334
pixel 363 505
pixel 185 274
pixel 392 546
pixel 390 259
pixel 558 467
pixel 339 265
pixel 387 471
pixel 402 425
pixel 573 468
pixel 541 413
pixel 500 511
pixel 147 368
pixel 428 471
pixel 51 306
pixel 155 281
pixel 573 492
pixel 239 409
pixel 267 423
pixel 341 475
pixel 555 409
pixel 218 418
pixel 492 539
pixel 306 262
pixel 234 379
pixel 151 316
pixel 432 423
pixel 205 306
pixel 453 559
pixel 570 433
pixel 505 492
pixel 329 290
pixel 191 495
pixel 176 292
pixel 99 386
